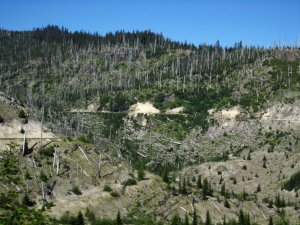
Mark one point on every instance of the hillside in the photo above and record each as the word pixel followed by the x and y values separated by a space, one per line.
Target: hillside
pixel 156 130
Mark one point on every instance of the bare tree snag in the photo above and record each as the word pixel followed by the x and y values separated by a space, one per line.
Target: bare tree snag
pixel 84 154
pixel 56 159
pixel 24 142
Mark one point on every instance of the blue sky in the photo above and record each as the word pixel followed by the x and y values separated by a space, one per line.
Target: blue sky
pixel 255 22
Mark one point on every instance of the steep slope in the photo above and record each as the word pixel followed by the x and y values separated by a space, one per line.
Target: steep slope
pixel 215 128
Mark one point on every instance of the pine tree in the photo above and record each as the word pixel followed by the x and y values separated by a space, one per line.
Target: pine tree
pixel 226 203
pixel 271 220
pixel 26 200
pixel 199 182
pixel 186 220
pixel 179 186
pixel 270 203
pixel 184 186
pixel 118 219
pixel 221 180
pixel 205 188
pixel 258 189
pixel 79 219
pixel 166 176
pixel 224 220
pixel 176 220
pixel 265 158
pixel 249 156
pixel 223 190
pixel 241 218
pixel 264 165
pixel 195 218
pixel 208 219
pixel 141 172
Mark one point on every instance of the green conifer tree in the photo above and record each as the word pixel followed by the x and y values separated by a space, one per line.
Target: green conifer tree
pixel 199 182
pixel 195 218
pixel 119 219
pixel 208 219
pixel 186 220
pixel 79 219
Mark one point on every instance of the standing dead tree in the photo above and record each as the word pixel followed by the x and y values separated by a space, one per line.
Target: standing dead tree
pixel 56 161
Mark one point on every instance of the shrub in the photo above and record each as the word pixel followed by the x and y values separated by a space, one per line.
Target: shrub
pixel 47 151
pixel 130 182
pixel 26 201
pixel 114 194
pixel 233 180
pixel 82 138
pixel 76 190
pixel 90 215
pixel 107 188
pixel 22 131
pixel 226 203
pixel 48 205
pixel 67 219
pixel 22 114
pixel 43 177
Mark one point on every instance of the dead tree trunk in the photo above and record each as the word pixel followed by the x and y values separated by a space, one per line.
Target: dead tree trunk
pixel 56 160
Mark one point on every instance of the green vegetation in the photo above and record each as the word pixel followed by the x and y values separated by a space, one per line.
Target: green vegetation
pixel 114 194
pixel 1 119
pixel 65 73
pixel 293 182
pixel 107 188
pixel 49 151
pixel 76 190
pixel 22 114
pixel 130 182
pixel 13 211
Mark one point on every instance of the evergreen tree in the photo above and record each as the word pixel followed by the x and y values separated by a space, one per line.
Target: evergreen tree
pixel 141 172
pixel 26 200
pixel 1 119
pixel 271 220
pixel 270 203
pixel 179 186
pixel 165 176
pixel 208 219
pixel 244 219
pixel 249 156
pixel 264 165
pixel 223 190
pixel 199 182
pixel 265 158
pixel 226 203
pixel 221 180
pixel 119 219
pixel 186 220
pixel 79 219
pixel 195 218
pixel 224 220
pixel 258 189
pixel 206 189
pixel 176 220
pixel 90 215
pixel 183 191
pixel 241 217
